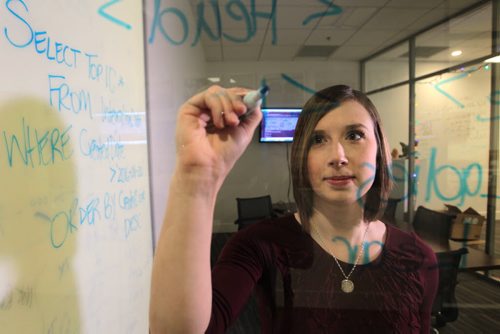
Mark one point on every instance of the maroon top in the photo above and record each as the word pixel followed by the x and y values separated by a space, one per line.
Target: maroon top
pixel 297 283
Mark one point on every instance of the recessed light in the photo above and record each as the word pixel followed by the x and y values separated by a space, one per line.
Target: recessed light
pixel 495 59
pixel 456 53
pixel 213 79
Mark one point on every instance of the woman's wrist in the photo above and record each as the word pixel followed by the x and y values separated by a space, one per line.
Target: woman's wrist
pixel 197 181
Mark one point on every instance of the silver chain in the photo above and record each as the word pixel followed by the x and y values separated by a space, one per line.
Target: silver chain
pixel 335 258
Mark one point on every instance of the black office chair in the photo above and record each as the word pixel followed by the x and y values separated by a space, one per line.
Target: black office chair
pixel 445 308
pixel 252 210
pixel 433 225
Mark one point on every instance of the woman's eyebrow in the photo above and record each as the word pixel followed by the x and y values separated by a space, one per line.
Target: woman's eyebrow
pixel 356 126
pixel 319 132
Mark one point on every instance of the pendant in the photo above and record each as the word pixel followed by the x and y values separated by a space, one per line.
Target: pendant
pixel 347 286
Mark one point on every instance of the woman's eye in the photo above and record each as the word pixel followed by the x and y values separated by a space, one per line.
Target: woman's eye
pixel 355 135
pixel 317 139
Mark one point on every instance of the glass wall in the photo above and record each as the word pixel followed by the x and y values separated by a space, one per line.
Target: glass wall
pixel 392 105
pixel 387 68
pixel 452 116
pixel 452 131
pixel 460 40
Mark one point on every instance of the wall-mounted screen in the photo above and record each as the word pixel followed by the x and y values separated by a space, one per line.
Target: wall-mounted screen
pixel 278 124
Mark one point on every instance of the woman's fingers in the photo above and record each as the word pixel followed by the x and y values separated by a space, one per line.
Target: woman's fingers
pixel 224 105
pixel 219 107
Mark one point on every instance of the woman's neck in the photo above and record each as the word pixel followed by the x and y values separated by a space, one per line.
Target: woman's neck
pixel 345 222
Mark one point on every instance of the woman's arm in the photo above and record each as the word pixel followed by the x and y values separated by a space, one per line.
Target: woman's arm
pixel 430 272
pixel 181 290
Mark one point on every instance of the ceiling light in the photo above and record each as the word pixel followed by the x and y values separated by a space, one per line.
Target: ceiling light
pixel 231 80
pixel 493 60
pixel 214 79
pixel 456 53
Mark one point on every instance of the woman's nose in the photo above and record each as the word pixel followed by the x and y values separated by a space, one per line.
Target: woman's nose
pixel 337 156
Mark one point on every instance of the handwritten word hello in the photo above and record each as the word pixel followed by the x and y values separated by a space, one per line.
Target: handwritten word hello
pixel 235 9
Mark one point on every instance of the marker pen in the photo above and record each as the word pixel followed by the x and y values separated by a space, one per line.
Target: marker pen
pixel 253 100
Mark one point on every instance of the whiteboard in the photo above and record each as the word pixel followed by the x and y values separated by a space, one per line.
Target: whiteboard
pixel 75 226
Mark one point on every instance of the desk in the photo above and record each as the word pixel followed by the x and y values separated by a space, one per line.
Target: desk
pixel 472 261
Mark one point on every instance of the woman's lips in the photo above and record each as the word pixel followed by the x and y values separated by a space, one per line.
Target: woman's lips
pixel 339 181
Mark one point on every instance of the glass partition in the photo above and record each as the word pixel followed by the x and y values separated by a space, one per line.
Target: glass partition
pixel 457 41
pixel 392 106
pixel 452 136
pixel 388 68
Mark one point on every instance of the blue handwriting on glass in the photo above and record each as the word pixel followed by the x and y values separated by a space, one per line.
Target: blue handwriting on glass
pixel 110 148
pixel 102 11
pixel 65 99
pixel 37 147
pixel 59 52
pixel 235 9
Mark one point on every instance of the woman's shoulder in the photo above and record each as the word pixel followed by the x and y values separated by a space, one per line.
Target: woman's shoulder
pixel 397 237
pixel 281 236
pixel 408 245
pixel 272 227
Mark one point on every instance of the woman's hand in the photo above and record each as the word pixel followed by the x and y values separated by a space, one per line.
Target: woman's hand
pixel 210 136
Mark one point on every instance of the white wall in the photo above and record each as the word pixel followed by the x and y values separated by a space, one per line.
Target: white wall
pixel 174 73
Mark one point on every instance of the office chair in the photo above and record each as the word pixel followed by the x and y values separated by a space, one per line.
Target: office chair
pixel 432 225
pixel 444 308
pixel 252 210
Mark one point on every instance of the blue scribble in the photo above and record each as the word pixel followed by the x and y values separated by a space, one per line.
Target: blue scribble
pixel 203 25
pixel 60 225
pixel 487 119
pixel 351 250
pixel 244 16
pixel 462 175
pixel 90 212
pixel 297 84
pixel 492 100
pixel 331 10
pixel 489 196
pixel 157 24
pixel 442 82
pixel 113 19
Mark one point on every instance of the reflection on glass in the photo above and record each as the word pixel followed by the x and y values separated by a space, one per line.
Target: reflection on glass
pixel 392 105
pixel 388 68
pixel 455 42
pixel 452 130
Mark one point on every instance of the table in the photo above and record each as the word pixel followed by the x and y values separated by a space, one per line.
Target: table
pixel 472 261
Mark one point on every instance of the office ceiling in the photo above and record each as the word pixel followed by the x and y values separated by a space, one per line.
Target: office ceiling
pixel 345 30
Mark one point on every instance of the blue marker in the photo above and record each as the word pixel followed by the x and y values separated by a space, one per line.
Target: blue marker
pixel 253 100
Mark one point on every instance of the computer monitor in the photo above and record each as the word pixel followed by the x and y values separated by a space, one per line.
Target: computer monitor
pixel 278 124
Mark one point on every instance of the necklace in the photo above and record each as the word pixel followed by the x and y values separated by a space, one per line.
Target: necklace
pixel 346 285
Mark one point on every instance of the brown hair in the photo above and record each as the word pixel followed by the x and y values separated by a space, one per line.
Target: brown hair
pixel 315 108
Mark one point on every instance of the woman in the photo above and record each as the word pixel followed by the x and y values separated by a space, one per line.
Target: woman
pixel 331 267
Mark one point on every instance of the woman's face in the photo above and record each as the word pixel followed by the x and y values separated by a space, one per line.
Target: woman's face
pixel 342 157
